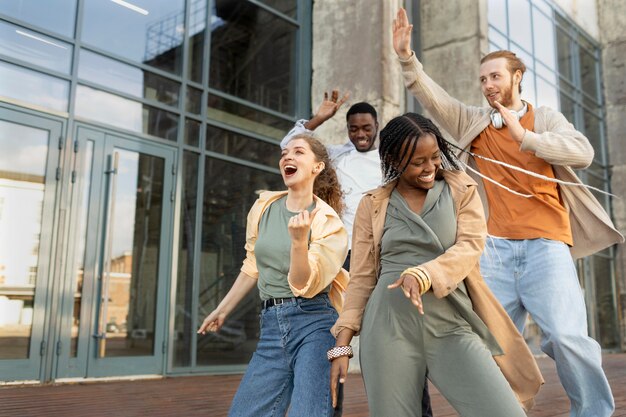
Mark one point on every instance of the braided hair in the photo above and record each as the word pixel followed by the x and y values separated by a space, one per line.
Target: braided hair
pixel 326 185
pixel 398 141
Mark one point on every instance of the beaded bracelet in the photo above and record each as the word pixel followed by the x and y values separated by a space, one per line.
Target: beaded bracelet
pixel 339 351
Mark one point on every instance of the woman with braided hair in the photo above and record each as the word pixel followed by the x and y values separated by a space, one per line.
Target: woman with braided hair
pixel 295 244
pixel 416 295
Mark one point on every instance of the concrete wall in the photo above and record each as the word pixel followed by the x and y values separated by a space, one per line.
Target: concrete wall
pixel 584 13
pixel 352 51
pixel 613 43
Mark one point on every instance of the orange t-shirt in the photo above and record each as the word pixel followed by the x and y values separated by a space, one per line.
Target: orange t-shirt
pixel 512 216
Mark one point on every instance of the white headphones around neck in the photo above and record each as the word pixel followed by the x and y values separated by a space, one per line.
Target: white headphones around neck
pixel 498 122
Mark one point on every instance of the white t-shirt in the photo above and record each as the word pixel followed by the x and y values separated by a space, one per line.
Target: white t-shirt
pixel 357 172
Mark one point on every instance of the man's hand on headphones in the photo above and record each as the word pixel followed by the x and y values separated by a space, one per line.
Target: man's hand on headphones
pixel 515 127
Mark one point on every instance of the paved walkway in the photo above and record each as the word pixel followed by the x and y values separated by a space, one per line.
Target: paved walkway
pixel 210 396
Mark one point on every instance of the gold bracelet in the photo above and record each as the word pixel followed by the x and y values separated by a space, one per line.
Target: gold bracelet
pixel 422 277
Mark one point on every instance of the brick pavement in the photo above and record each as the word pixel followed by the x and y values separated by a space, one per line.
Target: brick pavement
pixel 210 396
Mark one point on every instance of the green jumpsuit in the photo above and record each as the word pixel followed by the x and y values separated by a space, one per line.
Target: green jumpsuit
pixel 449 343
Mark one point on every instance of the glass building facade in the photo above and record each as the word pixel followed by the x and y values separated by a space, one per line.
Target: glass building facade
pixel 564 72
pixel 134 137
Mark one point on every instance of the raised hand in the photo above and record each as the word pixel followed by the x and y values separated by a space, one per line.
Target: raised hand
pixel 411 289
pixel 515 127
pixel 402 31
pixel 300 225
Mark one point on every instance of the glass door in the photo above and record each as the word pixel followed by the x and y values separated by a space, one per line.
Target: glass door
pixel 115 303
pixel 29 157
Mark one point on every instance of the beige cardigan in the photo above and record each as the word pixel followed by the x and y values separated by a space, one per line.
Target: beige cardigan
pixel 555 140
pixel 459 263
pixel 328 248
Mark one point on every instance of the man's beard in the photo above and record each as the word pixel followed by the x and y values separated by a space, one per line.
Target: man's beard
pixel 506 96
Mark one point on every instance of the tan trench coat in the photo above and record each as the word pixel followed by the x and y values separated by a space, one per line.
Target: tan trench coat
pixel 460 262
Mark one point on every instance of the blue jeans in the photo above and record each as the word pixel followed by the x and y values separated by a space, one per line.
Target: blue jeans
pixel 538 276
pixel 290 362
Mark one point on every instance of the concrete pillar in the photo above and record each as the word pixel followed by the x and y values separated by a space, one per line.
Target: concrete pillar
pixel 352 51
pixel 613 44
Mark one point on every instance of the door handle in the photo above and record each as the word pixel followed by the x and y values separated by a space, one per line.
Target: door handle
pixel 105 276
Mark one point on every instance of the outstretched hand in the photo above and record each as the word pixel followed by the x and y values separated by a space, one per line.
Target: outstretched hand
pixel 213 322
pixel 515 127
pixel 402 31
pixel 411 289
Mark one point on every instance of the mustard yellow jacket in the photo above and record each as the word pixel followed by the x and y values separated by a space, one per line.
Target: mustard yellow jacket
pixel 459 263
pixel 328 248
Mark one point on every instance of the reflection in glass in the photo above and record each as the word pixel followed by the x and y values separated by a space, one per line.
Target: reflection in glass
pixel 229 192
pixel 605 300
pixel 197 36
pixel 33 87
pixel 588 67
pixel 253 55
pixel 22 185
pixel 126 78
pixel 55 15
pixel 593 133
pixel 83 210
pixel 134 231
pixel 35 48
pixel 183 321
pixel 194 100
pixel 244 117
pixel 192 132
pixel 563 46
pixel 128 114
pixel 244 147
pixel 286 7
pixel 151 32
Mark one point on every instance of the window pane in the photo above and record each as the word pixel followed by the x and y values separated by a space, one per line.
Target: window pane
pixel 244 117
pixel 244 147
pixel 197 37
pixel 563 44
pixel 547 94
pixel 84 174
pixel 146 31
pixel 519 23
pixel 253 56
pixel 499 40
pixel 528 88
pixel 593 133
pixel 229 192
pixel 33 87
pixel 568 108
pixel 544 39
pixel 22 185
pixel 126 78
pixel 183 321
pixel 35 48
pixel 127 114
pixel 496 15
pixel 588 67
pixel 194 100
pixel 605 303
pixel 192 132
pixel 55 15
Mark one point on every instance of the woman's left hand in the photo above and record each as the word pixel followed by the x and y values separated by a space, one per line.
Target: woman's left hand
pixel 411 289
pixel 300 225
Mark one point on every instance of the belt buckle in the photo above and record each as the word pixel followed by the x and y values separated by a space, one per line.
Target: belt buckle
pixel 278 301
